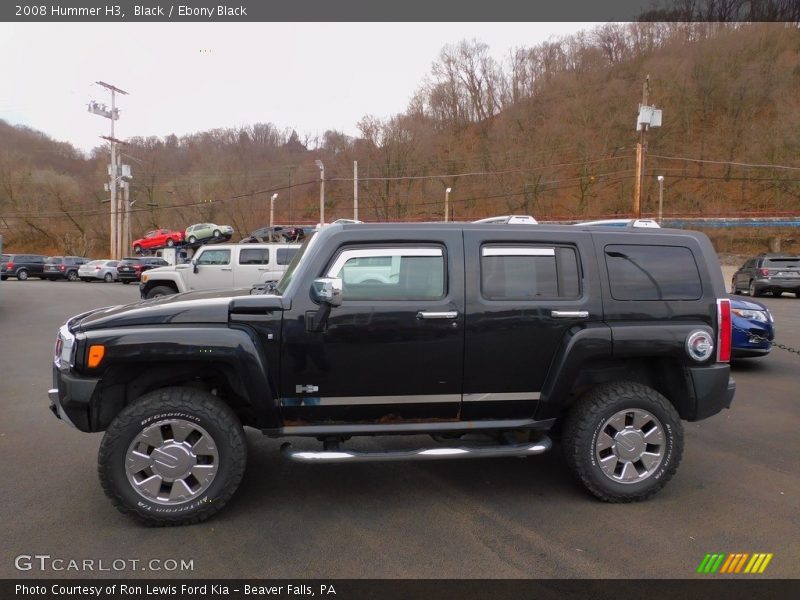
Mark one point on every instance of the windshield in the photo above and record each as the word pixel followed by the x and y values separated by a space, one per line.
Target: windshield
pixel 287 276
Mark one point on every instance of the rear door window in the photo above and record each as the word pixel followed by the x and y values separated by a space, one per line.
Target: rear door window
pixel 641 272
pixel 527 272
pixel 254 256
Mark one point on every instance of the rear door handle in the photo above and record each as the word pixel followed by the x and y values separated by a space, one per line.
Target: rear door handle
pixel 225 269
pixel 449 314
pixel 569 314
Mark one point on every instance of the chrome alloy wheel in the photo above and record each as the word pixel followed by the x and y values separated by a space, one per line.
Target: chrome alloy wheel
pixel 630 446
pixel 171 461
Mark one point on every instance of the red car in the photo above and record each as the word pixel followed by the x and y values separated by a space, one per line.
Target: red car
pixel 157 238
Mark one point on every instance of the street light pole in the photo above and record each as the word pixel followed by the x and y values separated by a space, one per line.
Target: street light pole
pixel 447 204
pixel 660 197
pixel 271 211
pixel 321 192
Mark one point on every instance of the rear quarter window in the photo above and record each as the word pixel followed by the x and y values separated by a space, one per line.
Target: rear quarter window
pixel 644 272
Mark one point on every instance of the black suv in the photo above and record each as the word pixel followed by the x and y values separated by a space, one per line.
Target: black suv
pixel 768 273
pixel 22 266
pixel 485 337
pixel 131 269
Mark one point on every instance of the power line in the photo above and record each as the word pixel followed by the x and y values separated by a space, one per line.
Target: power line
pixel 726 162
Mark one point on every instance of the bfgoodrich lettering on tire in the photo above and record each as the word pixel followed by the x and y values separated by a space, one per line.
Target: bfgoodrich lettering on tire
pixel 173 457
pixel 623 440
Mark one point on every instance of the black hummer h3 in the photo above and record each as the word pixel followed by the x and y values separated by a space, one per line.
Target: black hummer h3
pixel 490 338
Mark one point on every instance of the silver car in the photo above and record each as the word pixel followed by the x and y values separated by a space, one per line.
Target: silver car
pixel 102 270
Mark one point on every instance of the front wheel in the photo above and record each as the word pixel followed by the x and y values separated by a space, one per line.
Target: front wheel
pixel 170 243
pixel 624 441
pixel 72 276
pixel 159 291
pixel 22 275
pixel 137 249
pixel 173 457
pixel 217 233
pixel 192 239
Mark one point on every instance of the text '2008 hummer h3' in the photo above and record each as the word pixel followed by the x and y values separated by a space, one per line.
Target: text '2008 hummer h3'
pixel 492 339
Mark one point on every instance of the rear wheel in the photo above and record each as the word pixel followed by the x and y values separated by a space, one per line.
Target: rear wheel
pixel 217 233
pixel 777 293
pixel 192 239
pixel 623 440
pixel 22 275
pixel 173 457
pixel 137 249
pixel 108 278
pixel 170 242
pixel 752 290
pixel 72 275
pixel 734 289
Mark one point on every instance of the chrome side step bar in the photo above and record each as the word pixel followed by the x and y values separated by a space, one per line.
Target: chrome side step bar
pixel 330 456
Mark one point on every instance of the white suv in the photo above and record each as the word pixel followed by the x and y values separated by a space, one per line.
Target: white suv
pixel 220 266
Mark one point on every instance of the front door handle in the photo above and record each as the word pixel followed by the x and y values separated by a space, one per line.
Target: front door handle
pixel 225 269
pixel 569 314
pixel 449 314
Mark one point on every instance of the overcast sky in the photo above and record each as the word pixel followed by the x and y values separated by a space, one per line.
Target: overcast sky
pixel 188 77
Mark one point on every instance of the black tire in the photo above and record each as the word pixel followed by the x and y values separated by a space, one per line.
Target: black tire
pixel 72 275
pixel 196 408
pixel 797 294
pixel 3 278
pixel 777 293
pixel 108 278
pixel 752 290
pixel 125 281
pixel 585 422
pixel 170 242
pixel 217 233
pixel 734 289
pixel 159 291
pixel 22 275
pixel 192 239
pixel 137 249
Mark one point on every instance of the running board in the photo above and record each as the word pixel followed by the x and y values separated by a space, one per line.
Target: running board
pixel 332 456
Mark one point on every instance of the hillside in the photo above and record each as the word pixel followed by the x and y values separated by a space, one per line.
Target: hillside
pixel 549 131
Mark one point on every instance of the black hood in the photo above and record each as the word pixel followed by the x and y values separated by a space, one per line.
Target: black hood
pixel 189 307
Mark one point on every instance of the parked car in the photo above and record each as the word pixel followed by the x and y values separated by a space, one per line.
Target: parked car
pixel 102 270
pixel 768 273
pixel 753 328
pixel 131 269
pixel 207 231
pixel 22 266
pixel 623 223
pixel 63 267
pixel 510 219
pixel 158 238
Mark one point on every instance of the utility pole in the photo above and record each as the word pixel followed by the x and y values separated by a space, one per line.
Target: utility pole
pixel 321 192
pixel 447 204
pixel 648 117
pixel 271 213
pixel 291 189
pixel 112 115
pixel 355 190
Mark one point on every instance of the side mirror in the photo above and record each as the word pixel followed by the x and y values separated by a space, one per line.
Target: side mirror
pixel 194 265
pixel 328 290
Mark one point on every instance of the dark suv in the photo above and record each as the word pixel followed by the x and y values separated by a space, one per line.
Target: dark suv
pixel 768 273
pixel 131 269
pixel 22 266
pixel 63 267
pixel 485 337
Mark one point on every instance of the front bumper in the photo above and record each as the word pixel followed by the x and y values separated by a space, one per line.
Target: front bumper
pixel 713 390
pixel 70 398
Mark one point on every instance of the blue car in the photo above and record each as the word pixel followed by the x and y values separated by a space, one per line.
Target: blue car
pixel 752 322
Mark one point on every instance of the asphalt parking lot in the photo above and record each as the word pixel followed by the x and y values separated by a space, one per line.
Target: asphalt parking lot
pixel 737 489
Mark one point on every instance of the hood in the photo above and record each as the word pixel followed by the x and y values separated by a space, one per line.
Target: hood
pixel 189 307
pixel 743 304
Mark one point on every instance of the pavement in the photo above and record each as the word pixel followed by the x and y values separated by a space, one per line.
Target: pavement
pixel 737 490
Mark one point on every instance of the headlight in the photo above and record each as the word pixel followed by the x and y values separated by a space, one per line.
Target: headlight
pixel 753 315
pixel 65 349
pixel 144 278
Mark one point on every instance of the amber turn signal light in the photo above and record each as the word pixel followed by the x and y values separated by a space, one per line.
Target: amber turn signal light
pixel 96 354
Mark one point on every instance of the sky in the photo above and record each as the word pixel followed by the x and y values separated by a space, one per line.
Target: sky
pixel 188 77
